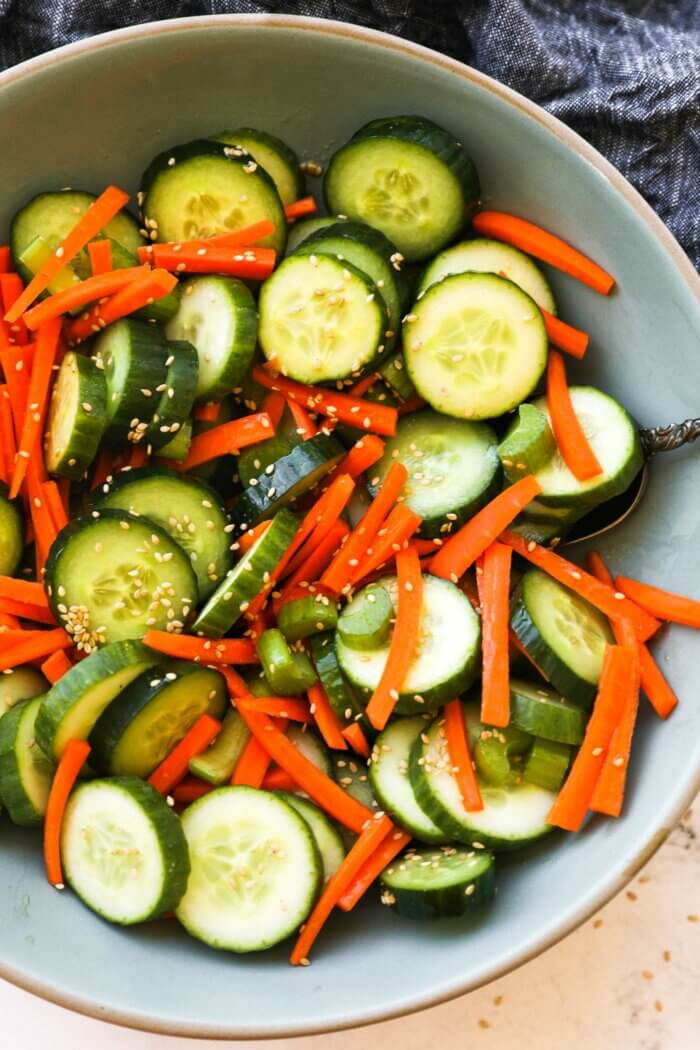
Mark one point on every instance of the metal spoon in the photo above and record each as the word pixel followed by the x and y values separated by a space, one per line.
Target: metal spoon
pixel 612 513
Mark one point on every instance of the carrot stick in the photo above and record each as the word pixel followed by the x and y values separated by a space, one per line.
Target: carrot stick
pixel 362 850
pixel 361 387
pixel 412 405
pixel 255 263
pixel 227 438
pixel 63 485
pixel 613 603
pixel 314 560
pixel 69 766
pixel 190 789
pixel 287 707
pixel 461 550
pixel 100 253
pixel 660 603
pixel 460 756
pixel 391 538
pixel 381 419
pixel 373 867
pixel 303 422
pixel 8 449
pixel 356 739
pixel 84 292
pixel 252 765
pixel 568 432
pixel 11 287
pixel 243 238
pixel 617 679
pixel 205 650
pixel 23 591
pixel 404 640
pixel 363 455
pixel 249 538
pixel 174 767
pixel 54 504
pixel 493 582
pixel 17 362
pixel 44 357
pixel 103 468
pixel 88 226
pixel 609 790
pixel 26 611
pixel 5 259
pixel 277 780
pixel 140 292
pixel 208 412
pixel 8 625
pixel 56 665
pixel 545 246
pixel 304 206
pixel 274 404
pixel 564 336
pixel 326 719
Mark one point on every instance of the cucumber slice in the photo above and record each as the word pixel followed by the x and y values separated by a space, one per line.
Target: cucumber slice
pixel 217 763
pixel 33 258
pixel 72 706
pixel 217 315
pixel 77 417
pixel 320 318
pixel 543 713
pixel 143 724
pixel 326 835
pixel 187 509
pixel 482 255
pixel 563 633
pixel 343 698
pixel 547 764
pixel 112 575
pixel 256 870
pixel 352 774
pixel 447 657
pixel 277 158
pixel 11 534
pixel 25 771
pixel 247 578
pixel 21 683
pixel 299 231
pixel 290 477
pixel 439 884
pixel 475 346
pixel 542 532
pixel 289 673
pixel 302 617
pixel 452 464
pixel 528 445
pixel 615 442
pixel 407 177
pixel 179 446
pixel 388 774
pixel 123 850
pixel 177 394
pixel 395 375
pixel 159 311
pixel 310 745
pixel 365 622
pixel 133 355
pixel 254 460
pixel 202 188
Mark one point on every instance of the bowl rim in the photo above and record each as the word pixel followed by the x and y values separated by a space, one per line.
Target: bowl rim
pixel 676 804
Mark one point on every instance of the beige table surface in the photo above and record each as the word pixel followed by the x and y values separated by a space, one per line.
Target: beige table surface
pixel 627 980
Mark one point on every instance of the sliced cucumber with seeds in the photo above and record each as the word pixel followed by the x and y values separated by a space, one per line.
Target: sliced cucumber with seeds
pixel 320 318
pixel 11 534
pixel 299 231
pixel 311 614
pixel 326 835
pixel 452 464
pixel 256 869
pixel 341 694
pixel 254 461
pixel 290 477
pixel 186 508
pixel 75 702
pixel 439 884
pixel 133 355
pixel 202 188
pixel 475 346
pixel 563 633
pixel 179 446
pixel 447 655
pixel 247 578
pixel 388 773
pixel 20 683
pixel 25 771
pixel 123 850
pixel 176 394
pixel 352 774
pixel 277 158
pixel 77 416
pixel 112 575
pixel 33 258
pixel 542 712
pixel 482 255
pixel 145 722
pixel 409 178
pixel 395 375
pixel 528 445
pixel 365 622
pixel 217 763
pixel 217 315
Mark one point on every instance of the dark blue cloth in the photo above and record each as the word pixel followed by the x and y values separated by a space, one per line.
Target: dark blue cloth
pixel 623 73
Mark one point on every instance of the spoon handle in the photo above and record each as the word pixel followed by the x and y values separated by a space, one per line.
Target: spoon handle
pixel 672 436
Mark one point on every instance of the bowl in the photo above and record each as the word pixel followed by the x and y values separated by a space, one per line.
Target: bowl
pixel 94 113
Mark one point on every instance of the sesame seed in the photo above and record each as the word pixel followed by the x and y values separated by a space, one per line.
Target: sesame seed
pixel 619 596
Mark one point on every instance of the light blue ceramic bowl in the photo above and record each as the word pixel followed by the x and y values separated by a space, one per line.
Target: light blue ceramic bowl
pixel 95 112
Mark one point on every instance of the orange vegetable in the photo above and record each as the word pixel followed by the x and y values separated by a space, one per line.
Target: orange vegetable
pixel 356 739
pixel 304 206
pixel 658 602
pixel 568 432
pixel 5 258
pixel 54 505
pixel 17 362
pixel 40 379
pixel 360 388
pixel 252 765
pixel 287 707
pixel 249 538
pixel 277 780
pixel 190 789
pixel 609 790
pixel 69 766
pixel 8 449
pixel 305 426
pixel 460 757
pixel 248 263
pixel 100 253
pixel 11 287
pixel 204 650
pixel 81 294
pixel 391 538
pixel 493 582
pixel 227 438
pixel 314 557
pixel 328 723
pixel 103 468
pixel 23 591
pixel 412 405
pixel 140 292
pixel 372 868
pixel 564 336
pixel 363 455
pixel 56 665
pixel 245 237
pixel 174 767
pixel 208 412
pixel 274 404
pixel 26 611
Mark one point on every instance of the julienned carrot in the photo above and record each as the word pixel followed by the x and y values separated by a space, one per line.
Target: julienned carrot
pixel 493 582
pixel 174 767
pixel 23 591
pixel 288 707
pixel 26 611
pixel 362 850
pixel 252 765
pixel 208 412
pixel 5 258
pixel 39 381
pixel 360 388
pixel 315 560
pixel 8 622
pixel 277 780
pixel 103 468
pixel 412 405
pixel 111 201
pixel 404 640
pixel 54 504
pixel 372 868
pixel 609 790
pixel 274 404
pixel 609 601
pixel 363 455
pixel 545 246
pixel 11 287
pixel 190 789
pixel 227 438
pixel 249 538
pixel 568 432
pixel 354 734
pixel 460 757
pixel 139 457
pixel 617 679
pixel 564 336
pixel 69 766
pixel 328 723
pixel 393 536
pixel 82 293
pixel 255 263
pixel 204 650
pixel 100 254
pixel 461 550
pixel 17 362
pixel 305 426
pixel 661 603
pixel 304 206
pixel 379 419
pixel 245 237
pixel 8 449
pixel 140 292
pixel 56 665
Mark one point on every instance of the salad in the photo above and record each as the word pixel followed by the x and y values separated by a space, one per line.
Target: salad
pixel 281 614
